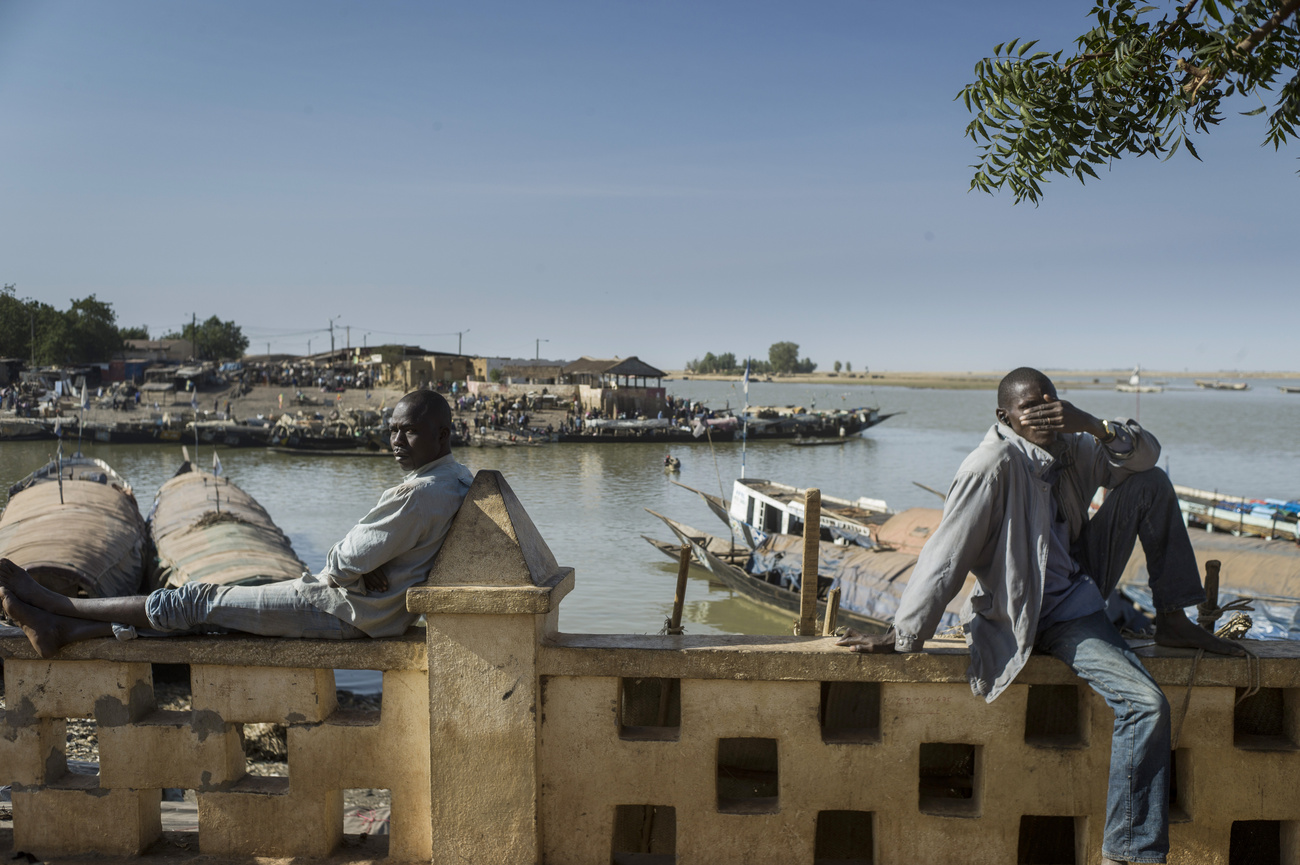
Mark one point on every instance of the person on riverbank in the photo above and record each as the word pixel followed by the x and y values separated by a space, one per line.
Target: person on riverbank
pixel 1016 517
pixel 360 592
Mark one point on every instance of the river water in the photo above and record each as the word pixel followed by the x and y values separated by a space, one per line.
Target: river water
pixel 589 501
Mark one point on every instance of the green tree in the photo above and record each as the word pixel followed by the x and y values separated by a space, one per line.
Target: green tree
pixel 214 339
pixel 1133 85
pixel 848 366
pixel 783 356
pixel 837 366
pixel 91 333
pixel 140 332
pixel 86 333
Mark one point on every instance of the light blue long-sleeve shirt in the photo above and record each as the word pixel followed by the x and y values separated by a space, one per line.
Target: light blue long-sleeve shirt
pixel 401 535
pixel 997 524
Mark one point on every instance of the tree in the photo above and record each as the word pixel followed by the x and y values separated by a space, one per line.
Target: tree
pixel 214 339
pixel 1134 84
pixel 848 366
pixel 140 332
pixel 784 356
pixel 837 366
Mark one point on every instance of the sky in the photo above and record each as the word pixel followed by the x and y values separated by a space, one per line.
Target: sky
pixel 659 179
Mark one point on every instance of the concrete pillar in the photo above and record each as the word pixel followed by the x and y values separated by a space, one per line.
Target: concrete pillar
pixel 493 594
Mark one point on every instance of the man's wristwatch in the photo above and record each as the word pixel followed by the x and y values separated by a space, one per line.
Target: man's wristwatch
pixel 1109 435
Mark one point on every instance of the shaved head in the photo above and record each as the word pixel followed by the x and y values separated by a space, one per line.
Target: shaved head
pixel 1013 381
pixel 428 405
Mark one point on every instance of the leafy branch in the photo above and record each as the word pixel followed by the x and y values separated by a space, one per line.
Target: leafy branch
pixel 1135 84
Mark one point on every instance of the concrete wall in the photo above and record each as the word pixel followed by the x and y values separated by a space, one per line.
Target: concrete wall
pixel 520 744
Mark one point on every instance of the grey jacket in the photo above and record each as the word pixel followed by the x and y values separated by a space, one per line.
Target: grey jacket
pixel 996 524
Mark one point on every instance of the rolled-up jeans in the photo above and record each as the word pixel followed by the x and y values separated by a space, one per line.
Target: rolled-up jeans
pixel 1137 797
pixel 270 610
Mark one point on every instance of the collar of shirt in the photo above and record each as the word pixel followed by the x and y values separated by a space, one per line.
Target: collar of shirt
pixel 428 467
pixel 1042 460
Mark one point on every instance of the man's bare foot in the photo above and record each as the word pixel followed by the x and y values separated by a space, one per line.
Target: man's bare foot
pixel 1175 630
pixel 42 628
pixel 16 579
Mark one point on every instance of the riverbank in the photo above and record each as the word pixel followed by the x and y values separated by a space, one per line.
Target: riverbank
pixel 983 380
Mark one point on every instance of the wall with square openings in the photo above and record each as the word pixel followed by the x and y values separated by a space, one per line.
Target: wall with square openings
pixel 790 751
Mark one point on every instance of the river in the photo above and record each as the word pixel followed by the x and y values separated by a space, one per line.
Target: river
pixel 589 501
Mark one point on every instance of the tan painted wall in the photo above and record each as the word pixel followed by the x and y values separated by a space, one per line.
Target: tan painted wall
pixel 520 744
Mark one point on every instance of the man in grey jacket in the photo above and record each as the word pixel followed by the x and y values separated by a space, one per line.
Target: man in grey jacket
pixel 1016 517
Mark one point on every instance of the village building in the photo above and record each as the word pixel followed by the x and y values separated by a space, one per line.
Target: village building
pixel 617 386
pixel 173 350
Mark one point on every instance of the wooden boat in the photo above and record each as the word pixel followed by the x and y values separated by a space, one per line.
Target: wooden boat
pixel 75 526
pixel 808 443
pixel 870 581
pixel 1215 384
pixel 352 452
pixel 207 529
pixel 1215 511
pixel 762 507
pixel 1288 389
pixel 1139 388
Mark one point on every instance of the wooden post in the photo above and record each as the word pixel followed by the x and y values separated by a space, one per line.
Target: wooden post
pixel 832 612
pixel 679 598
pixel 1209 611
pixel 812 533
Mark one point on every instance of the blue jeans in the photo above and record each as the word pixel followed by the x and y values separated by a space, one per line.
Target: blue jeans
pixel 1137 798
pixel 270 610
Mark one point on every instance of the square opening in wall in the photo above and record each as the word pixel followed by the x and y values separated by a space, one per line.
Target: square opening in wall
pixel 180 820
pixel 650 709
pixel 1180 786
pixel 844 838
pixel 81 752
pixel 948 783
pixel 850 712
pixel 1266 720
pixel 266 749
pixel 1255 842
pixel 1054 717
pixel 748 781
pixel 366 815
pixel 644 835
pixel 1046 841
pixel 359 695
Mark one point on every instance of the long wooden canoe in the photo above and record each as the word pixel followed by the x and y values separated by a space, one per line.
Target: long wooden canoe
pixel 75 526
pixel 207 529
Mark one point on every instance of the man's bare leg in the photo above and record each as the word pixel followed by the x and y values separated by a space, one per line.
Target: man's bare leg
pixel 20 585
pixel 49 632
pixel 1175 630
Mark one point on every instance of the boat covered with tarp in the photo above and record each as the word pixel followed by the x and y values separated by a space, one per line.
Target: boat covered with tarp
pixel 75 526
pixel 205 528
pixel 870 579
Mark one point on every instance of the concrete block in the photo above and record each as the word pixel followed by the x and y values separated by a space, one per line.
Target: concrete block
pixel 393 754
pixel 31 754
pixel 171 749
pixel 268 695
pixel 113 693
pixel 263 817
pixel 64 822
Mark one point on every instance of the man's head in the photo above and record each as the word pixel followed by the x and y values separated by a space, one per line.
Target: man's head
pixel 1021 389
pixel 420 429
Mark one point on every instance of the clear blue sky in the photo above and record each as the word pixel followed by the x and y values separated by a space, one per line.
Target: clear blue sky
pixel 651 178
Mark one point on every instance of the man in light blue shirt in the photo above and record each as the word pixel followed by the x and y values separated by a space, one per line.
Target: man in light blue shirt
pixel 360 592
pixel 1016 517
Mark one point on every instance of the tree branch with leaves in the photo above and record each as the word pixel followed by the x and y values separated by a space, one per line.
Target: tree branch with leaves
pixel 1138 82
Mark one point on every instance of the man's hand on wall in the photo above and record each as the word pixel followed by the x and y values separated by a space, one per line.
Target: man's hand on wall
pixel 868 644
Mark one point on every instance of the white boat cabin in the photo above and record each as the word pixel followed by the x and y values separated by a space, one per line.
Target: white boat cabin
pixel 760 508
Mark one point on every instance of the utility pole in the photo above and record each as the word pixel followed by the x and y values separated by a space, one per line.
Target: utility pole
pixel 194 334
pixel 349 339
pixel 268 351
pixel 460 336
pixel 537 353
